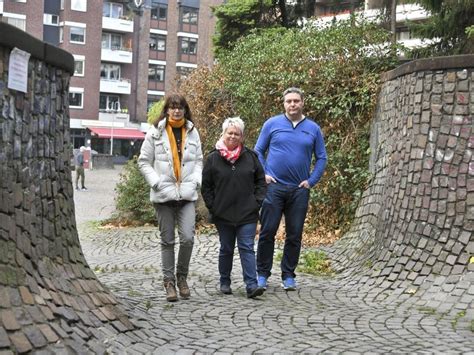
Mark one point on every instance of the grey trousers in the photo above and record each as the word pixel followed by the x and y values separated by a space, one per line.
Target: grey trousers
pixel 183 215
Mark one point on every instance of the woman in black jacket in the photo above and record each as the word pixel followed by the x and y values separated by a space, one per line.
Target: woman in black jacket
pixel 233 188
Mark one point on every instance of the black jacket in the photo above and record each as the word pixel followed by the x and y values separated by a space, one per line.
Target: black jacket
pixel 233 193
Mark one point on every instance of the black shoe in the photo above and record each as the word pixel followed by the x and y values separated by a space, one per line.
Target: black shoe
pixel 258 291
pixel 226 290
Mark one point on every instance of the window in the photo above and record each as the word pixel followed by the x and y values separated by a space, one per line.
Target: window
pixel 19 1
pixel 61 5
pixel 61 34
pixel 189 15
pixel 49 19
pixel 110 71
pixel 159 11
pixel 109 102
pixel 156 72
pixel 188 45
pixel 79 5
pixel 110 9
pixel 111 41
pixel 158 43
pixel 76 99
pixel 77 35
pixel 79 66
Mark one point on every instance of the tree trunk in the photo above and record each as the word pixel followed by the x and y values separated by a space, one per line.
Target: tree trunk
pixel 284 14
pixel 393 21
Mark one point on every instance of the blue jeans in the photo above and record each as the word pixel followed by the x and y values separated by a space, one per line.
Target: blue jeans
pixel 292 202
pixel 245 235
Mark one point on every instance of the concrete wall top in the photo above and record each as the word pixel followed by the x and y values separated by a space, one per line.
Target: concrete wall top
pixel 14 37
pixel 435 63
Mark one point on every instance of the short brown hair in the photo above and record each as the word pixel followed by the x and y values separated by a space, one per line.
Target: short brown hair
pixel 293 90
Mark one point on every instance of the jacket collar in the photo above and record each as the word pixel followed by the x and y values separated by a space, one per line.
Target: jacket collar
pixel 157 131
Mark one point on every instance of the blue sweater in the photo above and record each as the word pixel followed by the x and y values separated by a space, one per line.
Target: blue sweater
pixel 286 151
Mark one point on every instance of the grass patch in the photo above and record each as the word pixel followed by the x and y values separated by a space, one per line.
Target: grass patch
pixel 94 224
pixel 457 317
pixel 148 305
pixel 315 262
pixel 427 310
pixel 134 293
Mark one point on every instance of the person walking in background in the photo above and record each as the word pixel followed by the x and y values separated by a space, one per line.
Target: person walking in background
pixel 80 169
pixel 285 147
pixel 171 162
pixel 233 188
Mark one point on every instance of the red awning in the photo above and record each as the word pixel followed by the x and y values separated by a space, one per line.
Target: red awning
pixel 117 133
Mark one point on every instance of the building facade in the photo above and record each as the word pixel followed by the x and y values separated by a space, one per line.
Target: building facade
pixel 128 55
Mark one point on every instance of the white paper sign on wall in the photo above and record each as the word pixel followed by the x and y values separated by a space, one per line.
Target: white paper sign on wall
pixel 18 70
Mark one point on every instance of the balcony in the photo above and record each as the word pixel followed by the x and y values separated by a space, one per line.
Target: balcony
pixel 122 55
pixel 121 86
pixel 113 116
pixel 117 24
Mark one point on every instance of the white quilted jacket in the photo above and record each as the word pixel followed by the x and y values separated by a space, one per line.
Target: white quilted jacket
pixel 156 164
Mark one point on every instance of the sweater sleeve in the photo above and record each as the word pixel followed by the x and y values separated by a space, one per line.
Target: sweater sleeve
pixel 263 142
pixel 321 159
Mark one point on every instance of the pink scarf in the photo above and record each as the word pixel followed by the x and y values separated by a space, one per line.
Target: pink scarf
pixel 230 155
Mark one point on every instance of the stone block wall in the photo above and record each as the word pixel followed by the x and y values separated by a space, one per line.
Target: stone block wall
pixel 412 239
pixel 49 297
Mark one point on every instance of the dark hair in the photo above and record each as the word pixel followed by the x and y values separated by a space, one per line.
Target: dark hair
pixel 293 90
pixel 175 100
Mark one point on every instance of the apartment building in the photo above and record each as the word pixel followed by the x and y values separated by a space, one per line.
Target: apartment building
pixel 406 11
pixel 128 54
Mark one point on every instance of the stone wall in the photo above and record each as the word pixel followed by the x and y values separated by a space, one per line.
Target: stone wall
pixel 412 239
pixel 49 297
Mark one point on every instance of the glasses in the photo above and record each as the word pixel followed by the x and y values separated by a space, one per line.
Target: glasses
pixel 176 108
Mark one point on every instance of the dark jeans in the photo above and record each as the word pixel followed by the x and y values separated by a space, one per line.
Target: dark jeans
pixel 292 202
pixel 245 235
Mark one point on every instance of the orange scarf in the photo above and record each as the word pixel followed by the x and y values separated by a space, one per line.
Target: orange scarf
pixel 174 148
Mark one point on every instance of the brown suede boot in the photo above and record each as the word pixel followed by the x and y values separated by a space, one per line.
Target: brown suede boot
pixel 183 287
pixel 171 295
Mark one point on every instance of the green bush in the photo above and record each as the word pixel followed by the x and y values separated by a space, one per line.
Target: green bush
pixel 133 196
pixel 338 68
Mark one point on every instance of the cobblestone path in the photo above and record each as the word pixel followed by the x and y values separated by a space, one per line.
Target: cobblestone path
pixel 324 315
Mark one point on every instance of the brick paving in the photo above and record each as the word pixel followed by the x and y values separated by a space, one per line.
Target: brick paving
pixel 329 315
pixel 405 279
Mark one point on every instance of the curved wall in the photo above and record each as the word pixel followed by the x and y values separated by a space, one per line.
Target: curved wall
pixel 49 297
pixel 412 239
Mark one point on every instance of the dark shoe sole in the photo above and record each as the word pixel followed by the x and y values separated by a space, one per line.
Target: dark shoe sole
pixel 172 299
pixel 255 293
pixel 226 291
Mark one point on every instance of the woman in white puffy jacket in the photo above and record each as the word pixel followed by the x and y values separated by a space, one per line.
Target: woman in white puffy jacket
pixel 171 162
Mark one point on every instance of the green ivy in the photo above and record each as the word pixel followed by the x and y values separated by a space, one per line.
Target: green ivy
pixel 338 68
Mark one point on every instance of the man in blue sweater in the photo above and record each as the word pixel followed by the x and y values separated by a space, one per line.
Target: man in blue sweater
pixel 285 148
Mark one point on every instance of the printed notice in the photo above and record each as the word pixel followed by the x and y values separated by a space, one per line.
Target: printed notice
pixel 18 70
